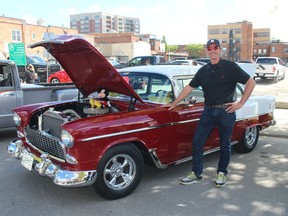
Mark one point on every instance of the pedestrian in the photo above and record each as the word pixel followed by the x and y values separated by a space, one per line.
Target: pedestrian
pixel 29 76
pixel 218 79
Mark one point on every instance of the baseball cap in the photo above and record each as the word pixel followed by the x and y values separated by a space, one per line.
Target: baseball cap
pixel 213 41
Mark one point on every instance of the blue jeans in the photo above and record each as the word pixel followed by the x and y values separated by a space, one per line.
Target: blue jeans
pixel 210 118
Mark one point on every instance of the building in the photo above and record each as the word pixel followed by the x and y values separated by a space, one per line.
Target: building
pixel 100 22
pixel 279 49
pixel 236 39
pixel 15 30
pixel 124 46
pixel 261 42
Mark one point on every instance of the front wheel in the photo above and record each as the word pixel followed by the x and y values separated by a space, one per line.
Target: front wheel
pixel 119 172
pixel 249 140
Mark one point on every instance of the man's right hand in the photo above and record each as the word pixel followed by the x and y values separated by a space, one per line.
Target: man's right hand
pixel 170 105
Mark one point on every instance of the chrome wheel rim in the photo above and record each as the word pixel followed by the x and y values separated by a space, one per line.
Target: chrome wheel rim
pixel 119 172
pixel 251 136
pixel 55 81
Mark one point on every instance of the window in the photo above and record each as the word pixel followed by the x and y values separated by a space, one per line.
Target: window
pixel 33 36
pixel 6 79
pixel 16 36
pixel 285 50
pixel 224 31
pixel 150 87
pixel 236 30
pixel 261 34
pixel 273 49
pixel 214 31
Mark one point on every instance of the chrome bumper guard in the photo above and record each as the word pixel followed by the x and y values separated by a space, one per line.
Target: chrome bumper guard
pixel 45 167
pixel 273 122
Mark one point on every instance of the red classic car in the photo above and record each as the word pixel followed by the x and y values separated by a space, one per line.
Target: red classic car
pixel 59 77
pixel 62 77
pixel 77 145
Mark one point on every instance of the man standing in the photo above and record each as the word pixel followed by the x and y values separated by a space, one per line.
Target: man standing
pixel 218 80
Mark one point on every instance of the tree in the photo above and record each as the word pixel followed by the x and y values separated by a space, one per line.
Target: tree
pixel 172 48
pixel 164 41
pixel 195 50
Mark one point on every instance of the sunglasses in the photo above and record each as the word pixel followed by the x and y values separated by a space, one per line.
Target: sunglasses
pixel 212 48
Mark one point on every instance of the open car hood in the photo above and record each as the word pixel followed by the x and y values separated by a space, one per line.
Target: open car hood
pixel 86 66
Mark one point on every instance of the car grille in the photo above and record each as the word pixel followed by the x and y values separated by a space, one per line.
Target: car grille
pixel 45 143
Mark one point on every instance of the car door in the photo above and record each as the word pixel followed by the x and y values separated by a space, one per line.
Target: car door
pixel 185 118
pixel 8 96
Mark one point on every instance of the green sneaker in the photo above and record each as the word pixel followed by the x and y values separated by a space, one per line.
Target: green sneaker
pixel 190 179
pixel 220 180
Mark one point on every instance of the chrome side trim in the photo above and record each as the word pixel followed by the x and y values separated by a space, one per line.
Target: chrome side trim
pixel 159 165
pixel 155 159
pixel 137 130
pixel 148 128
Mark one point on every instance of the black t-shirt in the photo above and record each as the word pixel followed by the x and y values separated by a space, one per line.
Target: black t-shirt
pixel 219 81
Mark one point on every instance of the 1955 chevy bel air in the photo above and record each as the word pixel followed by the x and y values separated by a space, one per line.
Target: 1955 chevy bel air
pixel 77 145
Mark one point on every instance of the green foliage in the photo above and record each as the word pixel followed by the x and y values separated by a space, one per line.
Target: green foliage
pixel 172 48
pixel 195 50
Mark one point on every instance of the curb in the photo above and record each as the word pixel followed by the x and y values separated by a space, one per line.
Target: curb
pixel 281 105
pixel 264 133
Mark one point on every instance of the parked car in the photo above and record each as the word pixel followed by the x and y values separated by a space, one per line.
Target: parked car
pixel 78 145
pixel 202 60
pixel 183 62
pixel 116 64
pixel 270 67
pixel 40 67
pixel 63 77
pixel 141 60
pixel 246 61
pixel 13 93
pixel 59 77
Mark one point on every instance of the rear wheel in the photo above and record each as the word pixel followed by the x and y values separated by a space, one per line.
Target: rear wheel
pixel 119 172
pixel 249 140
pixel 54 80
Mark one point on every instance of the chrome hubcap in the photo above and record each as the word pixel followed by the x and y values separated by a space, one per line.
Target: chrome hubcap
pixel 119 172
pixel 251 135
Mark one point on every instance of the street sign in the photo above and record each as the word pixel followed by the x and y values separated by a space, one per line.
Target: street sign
pixel 17 53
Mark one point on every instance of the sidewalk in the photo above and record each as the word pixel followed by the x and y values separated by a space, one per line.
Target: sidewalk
pixel 281 127
pixel 280 91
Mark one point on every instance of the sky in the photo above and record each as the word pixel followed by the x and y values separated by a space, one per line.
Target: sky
pixel 180 21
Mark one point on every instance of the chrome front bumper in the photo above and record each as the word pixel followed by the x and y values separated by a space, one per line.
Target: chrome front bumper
pixel 45 167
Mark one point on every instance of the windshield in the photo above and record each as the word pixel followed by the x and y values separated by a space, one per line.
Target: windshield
pixel 150 87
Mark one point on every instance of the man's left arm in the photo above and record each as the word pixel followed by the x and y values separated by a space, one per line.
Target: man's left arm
pixel 249 86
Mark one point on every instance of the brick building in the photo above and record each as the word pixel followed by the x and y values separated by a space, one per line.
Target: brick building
pixel 17 30
pixel 236 39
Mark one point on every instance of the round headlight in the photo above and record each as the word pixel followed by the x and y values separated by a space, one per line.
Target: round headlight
pixel 67 139
pixel 17 119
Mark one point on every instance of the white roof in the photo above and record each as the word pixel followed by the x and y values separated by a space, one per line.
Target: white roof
pixel 167 70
